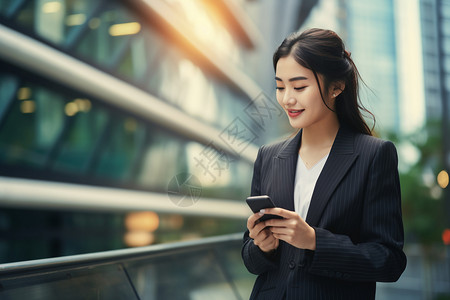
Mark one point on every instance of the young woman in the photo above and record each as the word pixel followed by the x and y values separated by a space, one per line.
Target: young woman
pixel 335 185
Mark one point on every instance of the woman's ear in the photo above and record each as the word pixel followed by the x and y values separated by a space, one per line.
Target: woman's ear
pixel 337 88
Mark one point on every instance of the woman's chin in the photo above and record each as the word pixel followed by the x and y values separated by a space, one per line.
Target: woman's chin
pixel 294 124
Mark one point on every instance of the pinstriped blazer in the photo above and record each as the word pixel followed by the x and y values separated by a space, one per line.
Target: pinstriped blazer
pixel 355 210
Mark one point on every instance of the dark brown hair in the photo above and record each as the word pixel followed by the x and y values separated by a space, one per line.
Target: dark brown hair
pixel 323 52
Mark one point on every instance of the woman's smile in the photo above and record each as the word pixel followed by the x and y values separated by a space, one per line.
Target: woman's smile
pixel 294 112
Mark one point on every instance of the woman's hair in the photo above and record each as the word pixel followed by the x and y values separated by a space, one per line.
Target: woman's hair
pixel 323 52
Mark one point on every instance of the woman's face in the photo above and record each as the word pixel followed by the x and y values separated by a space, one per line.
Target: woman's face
pixel 299 95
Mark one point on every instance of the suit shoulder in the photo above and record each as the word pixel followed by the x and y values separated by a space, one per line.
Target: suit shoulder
pixel 370 144
pixel 274 148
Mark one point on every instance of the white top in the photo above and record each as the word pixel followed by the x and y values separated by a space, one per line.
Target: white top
pixel 305 181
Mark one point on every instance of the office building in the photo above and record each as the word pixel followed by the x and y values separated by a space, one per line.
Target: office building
pixel 113 112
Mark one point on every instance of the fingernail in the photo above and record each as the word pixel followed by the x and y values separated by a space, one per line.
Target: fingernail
pixel 262 211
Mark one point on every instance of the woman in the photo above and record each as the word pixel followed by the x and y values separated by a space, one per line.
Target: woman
pixel 335 185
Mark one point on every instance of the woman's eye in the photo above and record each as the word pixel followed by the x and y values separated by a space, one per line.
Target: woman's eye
pixel 280 88
pixel 299 88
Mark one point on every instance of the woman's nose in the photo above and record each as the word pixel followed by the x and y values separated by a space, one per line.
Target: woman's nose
pixel 289 99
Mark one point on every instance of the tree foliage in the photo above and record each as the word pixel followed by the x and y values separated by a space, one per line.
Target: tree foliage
pixel 422 199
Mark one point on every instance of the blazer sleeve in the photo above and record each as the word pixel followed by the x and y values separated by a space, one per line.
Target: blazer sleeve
pixel 378 254
pixel 256 261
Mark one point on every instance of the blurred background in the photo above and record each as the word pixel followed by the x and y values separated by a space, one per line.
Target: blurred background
pixel 127 123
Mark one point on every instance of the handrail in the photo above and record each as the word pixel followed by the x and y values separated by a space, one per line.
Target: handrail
pixel 207 267
pixel 114 256
pixel 29 193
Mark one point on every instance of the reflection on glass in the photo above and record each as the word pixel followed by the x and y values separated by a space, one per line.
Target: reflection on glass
pixel 118 154
pixel 51 7
pixel 80 140
pixel 135 60
pixel 27 107
pixel 78 105
pixel 99 44
pixel 5 6
pixel 32 125
pixel 206 271
pixel 231 260
pixel 195 276
pixel 124 29
pixel 118 41
pixel 194 95
pixel 210 165
pixel 206 24
pixel 93 282
pixel 75 19
pixel 53 129
pixel 162 160
pixel 8 87
pixel 24 93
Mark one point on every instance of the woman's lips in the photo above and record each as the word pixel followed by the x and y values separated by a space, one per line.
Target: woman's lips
pixel 294 112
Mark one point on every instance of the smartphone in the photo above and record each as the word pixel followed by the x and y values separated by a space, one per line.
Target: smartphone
pixel 257 203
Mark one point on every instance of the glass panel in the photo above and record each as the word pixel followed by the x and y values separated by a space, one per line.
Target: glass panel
pixel 119 152
pixel 32 125
pixel 231 261
pixel 155 49
pixel 25 235
pixel 8 87
pixel 93 282
pixel 115 39
pixel 163 159
pixel 207 271
pixel 108 34
pixel 79 143
pixel 195 276
pixel 28 234
pixel 49 19
pixel 134 63
pixel 195 94
pixel 169 79
pixel 206 27
pixel 77 13
pixel 445 9
pixel 26 16
pixel 43 129
pixel 5 5
pixel 54 20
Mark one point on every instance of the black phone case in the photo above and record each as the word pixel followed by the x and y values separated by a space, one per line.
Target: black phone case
pixel 257 203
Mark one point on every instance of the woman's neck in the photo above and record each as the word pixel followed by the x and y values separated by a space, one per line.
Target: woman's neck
pixel 320 136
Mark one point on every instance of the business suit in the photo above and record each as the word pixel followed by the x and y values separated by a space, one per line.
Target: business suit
pixel 355 211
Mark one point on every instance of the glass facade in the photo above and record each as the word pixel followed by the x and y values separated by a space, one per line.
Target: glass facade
pixel 50 132
pixel 54 132
pixel 368 30
pixel 114 38
pixel 431 59
pixel 28 234
pixel 371 38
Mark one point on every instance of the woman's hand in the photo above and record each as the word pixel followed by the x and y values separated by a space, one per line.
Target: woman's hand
pixel 261 235
pixel 292 229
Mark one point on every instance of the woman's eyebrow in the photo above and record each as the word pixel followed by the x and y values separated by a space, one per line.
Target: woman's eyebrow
pixel 293 78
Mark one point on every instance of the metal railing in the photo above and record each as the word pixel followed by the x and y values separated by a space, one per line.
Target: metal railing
pixel 209 268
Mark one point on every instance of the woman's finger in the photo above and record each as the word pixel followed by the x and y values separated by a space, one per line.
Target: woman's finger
pixel 252 220
pixel 279 212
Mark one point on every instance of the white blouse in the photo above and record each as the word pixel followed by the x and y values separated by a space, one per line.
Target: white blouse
pixel 305 181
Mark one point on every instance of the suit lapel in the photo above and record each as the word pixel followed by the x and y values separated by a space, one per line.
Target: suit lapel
pixel 284 166
pixel 339 161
